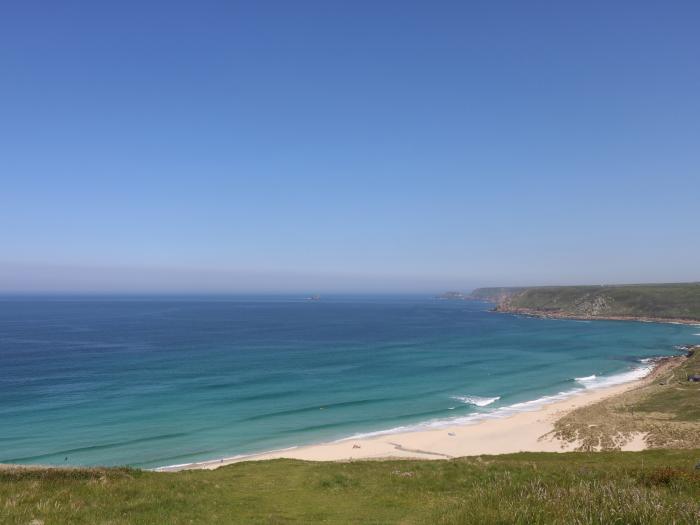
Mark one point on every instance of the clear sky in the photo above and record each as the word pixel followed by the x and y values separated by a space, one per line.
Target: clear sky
pixel 350 146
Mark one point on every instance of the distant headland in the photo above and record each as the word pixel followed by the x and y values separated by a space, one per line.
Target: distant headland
pixel 677 302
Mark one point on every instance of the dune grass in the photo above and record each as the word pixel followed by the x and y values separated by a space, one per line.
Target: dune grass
pixel 666 411
pixel 659 486
pixel 655 486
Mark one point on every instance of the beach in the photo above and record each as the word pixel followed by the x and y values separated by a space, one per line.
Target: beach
pixel 247 375
pixel 521 432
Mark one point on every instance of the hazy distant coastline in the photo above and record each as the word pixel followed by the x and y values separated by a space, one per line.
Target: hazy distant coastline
pixel 669 303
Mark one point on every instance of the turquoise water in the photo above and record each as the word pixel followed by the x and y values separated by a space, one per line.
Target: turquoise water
pixel 162 381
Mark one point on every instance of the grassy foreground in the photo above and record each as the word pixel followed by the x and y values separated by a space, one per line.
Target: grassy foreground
pixel 658 486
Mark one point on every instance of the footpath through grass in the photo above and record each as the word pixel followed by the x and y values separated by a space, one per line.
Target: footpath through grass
pixel 658 486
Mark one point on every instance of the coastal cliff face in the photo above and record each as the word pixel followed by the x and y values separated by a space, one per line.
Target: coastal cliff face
pixel 667 302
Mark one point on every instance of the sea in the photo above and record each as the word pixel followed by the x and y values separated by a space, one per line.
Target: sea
pixel 159 381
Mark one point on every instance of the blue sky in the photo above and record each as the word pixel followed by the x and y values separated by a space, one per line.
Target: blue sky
pixel 349 146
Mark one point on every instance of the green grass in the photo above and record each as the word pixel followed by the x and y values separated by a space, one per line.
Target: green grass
pixel 659 486
pixel 494 294
pixel 677 398
pixel 664 301
pixel 685 400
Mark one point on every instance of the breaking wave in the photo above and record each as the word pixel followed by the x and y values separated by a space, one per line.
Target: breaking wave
pixel 639 372
pixel 587 382
pixel 476 400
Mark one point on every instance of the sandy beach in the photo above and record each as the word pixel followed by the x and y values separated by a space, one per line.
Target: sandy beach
pixel 521 432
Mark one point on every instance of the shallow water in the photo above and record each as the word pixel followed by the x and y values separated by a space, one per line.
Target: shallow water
pixel 159 381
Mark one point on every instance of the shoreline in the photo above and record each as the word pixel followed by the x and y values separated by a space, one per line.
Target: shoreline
pixel 526 431
pixel 530 312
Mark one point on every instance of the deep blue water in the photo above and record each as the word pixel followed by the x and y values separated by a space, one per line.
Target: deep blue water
pixel 159 381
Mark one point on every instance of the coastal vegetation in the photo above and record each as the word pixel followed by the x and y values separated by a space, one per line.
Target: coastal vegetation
pixel 665 411
pixel 680 302
pixel 655 486
pixel 494 294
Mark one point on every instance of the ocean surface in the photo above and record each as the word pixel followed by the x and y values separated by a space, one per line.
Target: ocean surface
pixel 161 381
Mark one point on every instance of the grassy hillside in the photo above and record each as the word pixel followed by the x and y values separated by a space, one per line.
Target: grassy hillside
pixel 494 294
pixel 666 411
pixel 663 301
pixel 619 487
